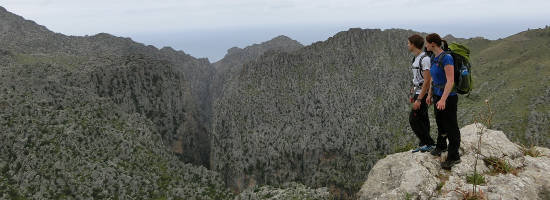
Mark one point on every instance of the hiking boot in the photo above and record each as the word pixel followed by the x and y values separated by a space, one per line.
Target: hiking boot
pixel 419 149
pixel 427 148
pixel 448 164
pixel 437 151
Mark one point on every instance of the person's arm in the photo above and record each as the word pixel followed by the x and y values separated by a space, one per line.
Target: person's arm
pixel 429 98
pixel 425 85
pixel 449 74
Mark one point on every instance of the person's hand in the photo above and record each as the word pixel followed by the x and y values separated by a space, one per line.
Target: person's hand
pixel 416 105
pixel 441 104
pixel 429 99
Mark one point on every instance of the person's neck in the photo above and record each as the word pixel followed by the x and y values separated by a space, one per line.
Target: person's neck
pixel 417 52
pixel 438 52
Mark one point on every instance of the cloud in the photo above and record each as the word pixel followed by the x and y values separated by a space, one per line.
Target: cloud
pixel 464 18
pixel 78 17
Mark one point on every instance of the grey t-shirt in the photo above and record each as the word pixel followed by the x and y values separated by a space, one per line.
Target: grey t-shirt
pixel 417 78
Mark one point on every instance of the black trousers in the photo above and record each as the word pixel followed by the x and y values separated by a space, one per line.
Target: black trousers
pixel 420 123
pixel 447 126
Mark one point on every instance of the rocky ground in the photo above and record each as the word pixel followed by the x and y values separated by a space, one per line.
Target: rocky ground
pixel 519 174
pixel 290 190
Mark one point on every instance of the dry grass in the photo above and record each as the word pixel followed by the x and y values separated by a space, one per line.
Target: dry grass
pixel 443 178
pixel 530 151
pixel 500 166
pixel 470 195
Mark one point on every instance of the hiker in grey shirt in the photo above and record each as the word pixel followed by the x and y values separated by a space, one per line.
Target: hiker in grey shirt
pixel 418 117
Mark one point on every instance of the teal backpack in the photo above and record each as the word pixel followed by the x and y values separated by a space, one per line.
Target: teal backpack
pixel 462 67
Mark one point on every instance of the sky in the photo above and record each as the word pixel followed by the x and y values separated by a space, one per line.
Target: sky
pixel 207 28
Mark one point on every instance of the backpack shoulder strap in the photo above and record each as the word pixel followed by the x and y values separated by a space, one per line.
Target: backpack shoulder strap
pixel 440 60
pixel 440 64
pixel 419 62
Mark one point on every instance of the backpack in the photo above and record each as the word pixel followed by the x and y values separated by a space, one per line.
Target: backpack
pixel 462 67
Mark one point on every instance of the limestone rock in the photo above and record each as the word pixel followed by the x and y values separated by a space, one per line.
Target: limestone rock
pixel 286 191
pixel 419 175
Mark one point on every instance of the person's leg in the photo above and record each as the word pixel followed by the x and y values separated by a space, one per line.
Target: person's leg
pixel 452 127
pixel 425 123
pixel 417 124
pixel 439 120
pixel 414 124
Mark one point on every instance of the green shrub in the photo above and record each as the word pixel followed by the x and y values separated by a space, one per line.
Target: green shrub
pixel 475 178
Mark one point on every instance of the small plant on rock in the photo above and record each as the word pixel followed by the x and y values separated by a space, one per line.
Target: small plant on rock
pixel 443 178
pixel 472 195
pixel 487 119
pixel 499 166
pixel 408 196
pixel 476 179
pixel 530 151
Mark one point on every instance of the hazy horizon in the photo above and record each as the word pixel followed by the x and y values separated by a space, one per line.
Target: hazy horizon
pixel 206 29
pixel 213 44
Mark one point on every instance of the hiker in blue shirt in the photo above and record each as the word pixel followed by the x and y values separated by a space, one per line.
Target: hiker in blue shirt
pixel 418 117
pixel 445 99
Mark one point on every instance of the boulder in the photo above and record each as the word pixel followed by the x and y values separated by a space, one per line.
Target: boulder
pixel 409 175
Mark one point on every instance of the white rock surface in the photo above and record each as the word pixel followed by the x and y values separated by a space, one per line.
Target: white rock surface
pixel 418 175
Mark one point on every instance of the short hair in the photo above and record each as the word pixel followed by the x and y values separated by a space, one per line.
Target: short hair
pixel 417 41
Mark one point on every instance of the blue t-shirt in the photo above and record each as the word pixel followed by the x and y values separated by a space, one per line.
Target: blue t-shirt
pixel 438 73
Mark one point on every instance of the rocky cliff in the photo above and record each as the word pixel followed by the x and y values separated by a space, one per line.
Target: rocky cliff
pixel 320 115
pixel 100 117
pixel 505 171
pixel 168 87
pixel 231 65
pixel 59 140
pixel 237 56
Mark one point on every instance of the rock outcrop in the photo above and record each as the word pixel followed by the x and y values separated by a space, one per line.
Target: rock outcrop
pixel 419 175
pixel 290 190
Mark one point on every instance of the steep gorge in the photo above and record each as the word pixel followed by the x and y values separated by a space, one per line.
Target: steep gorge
pixel 166 86
pixel 320 115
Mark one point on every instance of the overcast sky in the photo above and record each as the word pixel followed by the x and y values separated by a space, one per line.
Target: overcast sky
pixel 207 28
